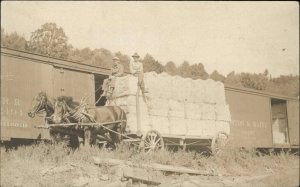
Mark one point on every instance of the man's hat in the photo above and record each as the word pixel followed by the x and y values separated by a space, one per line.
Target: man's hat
pixel 135 55
pixel 116 58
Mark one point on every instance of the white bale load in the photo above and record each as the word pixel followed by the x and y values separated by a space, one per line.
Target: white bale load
pixel 196 95
pixel 202 127
pixel 194 127
pixel 219 94
pixel 146 124
pixel 161 124
pixel 209 91
pixel 177 88
pixel 176 109
pixel 125 86
pixel 178 126
pixel 223 126
pixel 209 127
pixel 175 105
pixel 159 84
pixel 158 107
pixel 222 113
pixel 129 100
pixel 208 112
pixel 194 111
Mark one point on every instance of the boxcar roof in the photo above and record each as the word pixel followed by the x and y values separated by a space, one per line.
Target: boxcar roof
pixel 260 93
pixel 79 66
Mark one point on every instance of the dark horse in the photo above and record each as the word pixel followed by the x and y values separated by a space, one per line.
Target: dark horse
pixel 42 104
pixel 66 110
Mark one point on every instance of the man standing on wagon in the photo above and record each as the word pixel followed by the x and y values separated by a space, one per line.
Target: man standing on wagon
pixel 136 69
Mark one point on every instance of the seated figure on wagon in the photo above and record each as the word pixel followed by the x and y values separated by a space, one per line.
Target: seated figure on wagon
pixel 117 70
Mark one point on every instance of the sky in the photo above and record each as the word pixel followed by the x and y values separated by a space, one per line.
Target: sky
pixel 223 36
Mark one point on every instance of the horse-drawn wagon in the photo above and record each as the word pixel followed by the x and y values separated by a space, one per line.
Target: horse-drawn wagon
pixel 151 120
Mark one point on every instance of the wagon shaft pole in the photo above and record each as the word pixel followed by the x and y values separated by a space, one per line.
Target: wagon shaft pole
pixel 138 115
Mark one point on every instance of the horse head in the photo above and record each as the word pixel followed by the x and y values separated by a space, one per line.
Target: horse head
pixel 62 107
pixel 41 104
pixel 59 111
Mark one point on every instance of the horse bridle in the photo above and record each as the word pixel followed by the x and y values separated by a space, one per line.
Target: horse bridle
pixel 37 110
pixel 64 111
pixel 42 102
pixel 77 113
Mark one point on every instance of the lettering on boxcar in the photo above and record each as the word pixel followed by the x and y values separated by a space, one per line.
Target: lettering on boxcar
pixel 17 102
pixel 11 112
pixel 7 77
pixel 4 101
pixel 6 123
pixel 250 124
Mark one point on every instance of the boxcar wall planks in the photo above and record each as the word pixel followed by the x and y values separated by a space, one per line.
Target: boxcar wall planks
pixel 23 75
pixel 258 121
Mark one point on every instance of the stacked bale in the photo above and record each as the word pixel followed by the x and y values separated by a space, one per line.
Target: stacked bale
pixel 175 105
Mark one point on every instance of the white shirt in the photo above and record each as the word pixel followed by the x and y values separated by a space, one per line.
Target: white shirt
pixel 135 67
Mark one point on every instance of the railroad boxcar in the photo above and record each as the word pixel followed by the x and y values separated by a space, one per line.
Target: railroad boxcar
pixel 24 75
pixel 262 119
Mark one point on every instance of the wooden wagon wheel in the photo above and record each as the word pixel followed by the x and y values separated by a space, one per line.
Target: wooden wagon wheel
pixel 219 142
pixel 151 141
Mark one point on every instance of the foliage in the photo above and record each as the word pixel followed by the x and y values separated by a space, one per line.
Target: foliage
pixel 233 79
pixel 13 40
pixel 248 80
pixel 124 60
pixel 254 81
pixel 197 71
pixel 82 54
pixel 49 40
pixel 101 57
pixel 184 69
pixel 215 75
pixel 150 64
pixel 285 84
pixel 171 68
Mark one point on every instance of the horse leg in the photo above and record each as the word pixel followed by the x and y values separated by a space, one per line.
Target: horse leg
pixel 122 124
pixel 120 128
pixel 116 137
pixel 87 137
pixel 74 141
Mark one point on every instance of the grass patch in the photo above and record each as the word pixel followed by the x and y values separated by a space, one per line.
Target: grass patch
pixel 26 164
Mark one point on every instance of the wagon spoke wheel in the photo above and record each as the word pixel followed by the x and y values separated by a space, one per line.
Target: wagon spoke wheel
pixel 218 143
pixel 152 141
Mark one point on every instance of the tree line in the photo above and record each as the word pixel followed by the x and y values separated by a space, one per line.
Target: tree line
pixel 52 41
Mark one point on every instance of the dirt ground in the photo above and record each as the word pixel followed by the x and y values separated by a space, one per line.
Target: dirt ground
pixel 45 165
pixel 87 177
pixel 90 177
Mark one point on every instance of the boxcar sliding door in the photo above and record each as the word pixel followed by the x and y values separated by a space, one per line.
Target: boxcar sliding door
pixel 75 84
